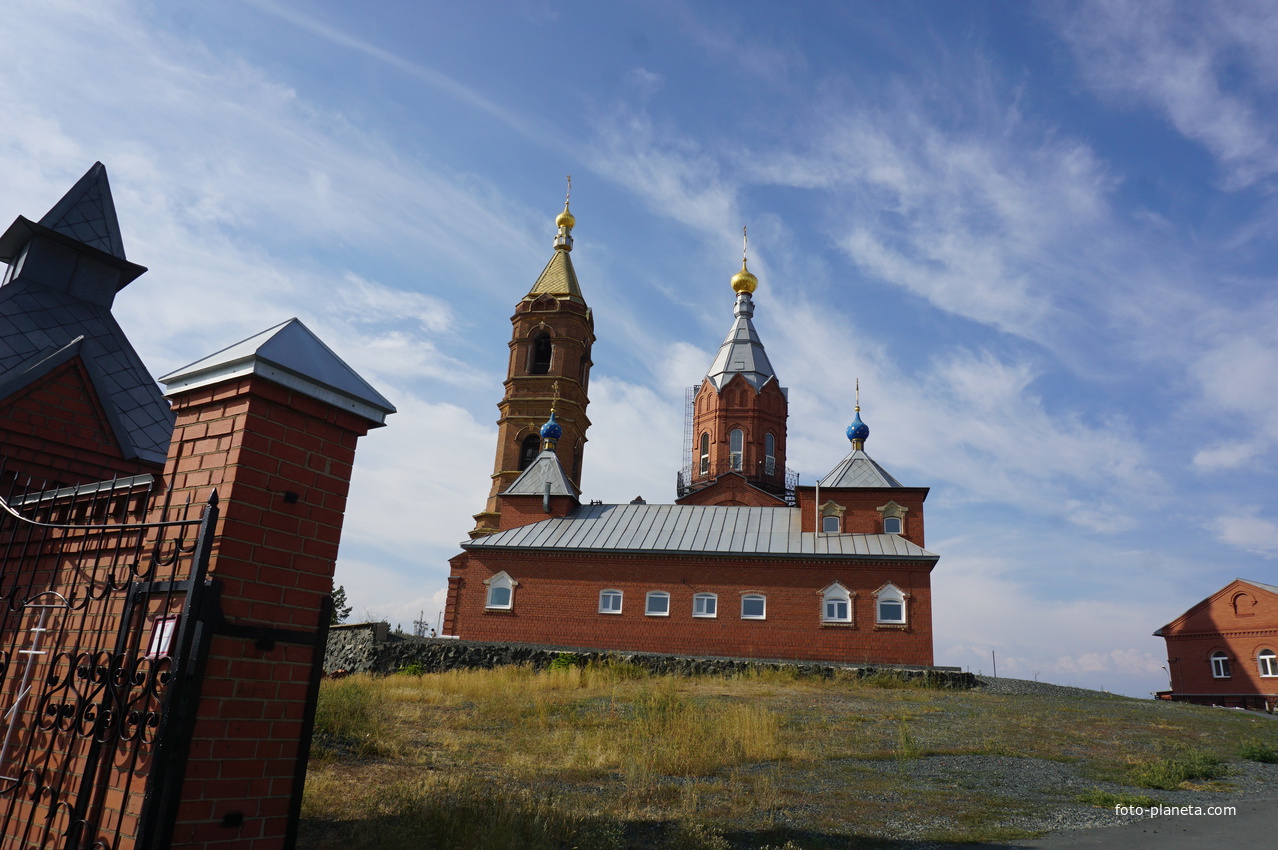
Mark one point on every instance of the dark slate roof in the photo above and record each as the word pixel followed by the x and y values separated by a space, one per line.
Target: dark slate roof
pixel 37 322
pixel 291 355
pixel 695 529
pixel 859 470
pixel 87 214
pixel 546 469
pixel 42 314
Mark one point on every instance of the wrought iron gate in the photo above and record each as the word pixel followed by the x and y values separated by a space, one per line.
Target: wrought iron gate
pixel 99 630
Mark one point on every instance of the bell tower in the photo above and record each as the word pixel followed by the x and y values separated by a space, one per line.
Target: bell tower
pixel 740 410
pixel 548 372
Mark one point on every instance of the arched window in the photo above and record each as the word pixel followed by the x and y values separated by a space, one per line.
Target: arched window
pixel 541 351
pixel 658 604
pixel 610 602
pixel 754 606
pixel 501 592
pixel 1219 665
pixel 830 524
pixel 584 370
pixel 892 525
pixel 705 454
pixel 890 605
pixel 528 451
pixel 705 605
pixel 836 604
pixel 1268 663
pixel 769 455
pixel 735 445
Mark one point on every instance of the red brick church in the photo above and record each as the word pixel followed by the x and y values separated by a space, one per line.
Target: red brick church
pixel 745 562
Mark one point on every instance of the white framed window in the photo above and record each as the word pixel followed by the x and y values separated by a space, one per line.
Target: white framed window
pixel 889 605
pixel 501 592
pixel 736 441
pixel 754 606
pixel 705 454
pixel 657 604
pixel 892 525
pixel 830 524
pixel 836 604
pixel 705 605
pixel 1268 663
pixel 1220 665
pixel 610 602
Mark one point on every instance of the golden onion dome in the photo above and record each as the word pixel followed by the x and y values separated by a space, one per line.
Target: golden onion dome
pixel 743 281
pixel 565 219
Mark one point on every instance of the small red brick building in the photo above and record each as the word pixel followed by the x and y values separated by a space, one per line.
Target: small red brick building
pixel 1224 650
pixel 744 563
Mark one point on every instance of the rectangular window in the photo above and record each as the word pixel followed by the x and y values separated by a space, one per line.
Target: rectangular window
pixel 891 611
pixel 754 606
pixel 830 524
pixel 1268 663
pixel 836 610
pixel 1220 666
pixel 705 605
pixel 658 604
pixel 610 602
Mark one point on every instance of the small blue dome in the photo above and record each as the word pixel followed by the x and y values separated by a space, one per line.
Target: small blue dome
pixel 551 430
pixel 858 430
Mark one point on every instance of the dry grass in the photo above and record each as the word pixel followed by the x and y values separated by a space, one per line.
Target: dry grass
pixel 609 757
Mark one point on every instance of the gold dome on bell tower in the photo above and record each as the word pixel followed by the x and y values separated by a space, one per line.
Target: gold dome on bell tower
pixel 743 281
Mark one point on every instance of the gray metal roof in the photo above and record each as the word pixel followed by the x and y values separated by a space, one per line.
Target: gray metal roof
pixel 291 355
pixel 741 351
pixel 1261 585
pixel 695 529
pixel 545 469
pixel 859 470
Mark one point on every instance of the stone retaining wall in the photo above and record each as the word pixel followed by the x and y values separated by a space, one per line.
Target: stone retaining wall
pixel 368 648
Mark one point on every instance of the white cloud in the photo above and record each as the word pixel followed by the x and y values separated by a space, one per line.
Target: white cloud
pixel 1249 532
pixel 1225 455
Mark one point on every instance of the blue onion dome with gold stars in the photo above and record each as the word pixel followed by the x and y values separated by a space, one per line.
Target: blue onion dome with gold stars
pixel 858 430
pixel 551 430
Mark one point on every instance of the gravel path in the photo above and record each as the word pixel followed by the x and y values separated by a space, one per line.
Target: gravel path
pixel 1045 791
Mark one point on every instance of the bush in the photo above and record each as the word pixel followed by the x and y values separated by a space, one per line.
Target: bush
pixel 1255 750
pixel 1170 773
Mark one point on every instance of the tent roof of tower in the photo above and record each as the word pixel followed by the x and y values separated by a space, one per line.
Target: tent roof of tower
pixel 859 470
pixel 558 278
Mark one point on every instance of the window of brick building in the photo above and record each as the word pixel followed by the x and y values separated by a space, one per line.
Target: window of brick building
pixel 1268 663
pixel 501 591
pixel 890 605
pixel 1220 665
pixel 754 606
pixel 830 524
pixel 892 525
pixel 610 602
pixel 705 605
pixel 735 448
pixel 705 454
pixel 836 605
pixel 658 604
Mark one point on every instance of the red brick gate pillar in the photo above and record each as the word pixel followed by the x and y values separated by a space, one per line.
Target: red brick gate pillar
pixel 274 432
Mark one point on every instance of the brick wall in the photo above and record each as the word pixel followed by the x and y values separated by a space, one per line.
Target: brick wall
pixel 1239 620
pixel 55 429
pixel 557 599
pixel 281 462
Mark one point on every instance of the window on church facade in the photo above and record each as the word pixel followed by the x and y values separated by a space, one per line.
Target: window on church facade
pixel 892 525
pixel 541 352
pixel 836 605
pixel 830 524
pixel 658 604
pixel 1268 663
pixel 705 454
pixel 735 448
pixel 1220 665
pixel 705 605
pixel 610 602
pixel 890 605
pixel 770 455
pixel 501 592
pixel 754 606
pixel 528 451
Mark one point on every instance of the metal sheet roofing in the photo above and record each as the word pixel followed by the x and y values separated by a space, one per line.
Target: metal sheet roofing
pixel 545 469
pixel 741 351
pixel 695 529
pixel 558 278
pixel 859 470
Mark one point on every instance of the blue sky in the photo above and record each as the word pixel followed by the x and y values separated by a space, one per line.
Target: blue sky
pixel 1040 234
